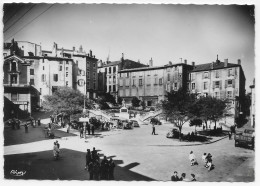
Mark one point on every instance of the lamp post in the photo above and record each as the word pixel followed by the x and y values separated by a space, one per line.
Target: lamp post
pixel 82 82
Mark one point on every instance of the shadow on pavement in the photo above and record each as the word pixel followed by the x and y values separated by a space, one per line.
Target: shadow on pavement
pixel 42 166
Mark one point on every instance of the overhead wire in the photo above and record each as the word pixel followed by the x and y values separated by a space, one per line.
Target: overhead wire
pixel 19 18
pixel 30 22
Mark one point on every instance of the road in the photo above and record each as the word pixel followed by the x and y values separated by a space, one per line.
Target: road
pixel 138 155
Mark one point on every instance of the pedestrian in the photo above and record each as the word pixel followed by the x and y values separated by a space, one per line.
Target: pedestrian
pixel 175 176
pixel 204 159
pixel 88 128
pixel 56 151
pixel 90 170
pixel 57 143
pixel 193 177
pixel 88 159
pixel 68 128
pixel 183 177
pixel 153 133
pixel 111 166
pixel 192 158
pixel 18 124
pixel 92 129
pixel 104 169
pixel 96 170
pixel 85 131
pixel 26 127
pixel 81 132
pixel 94 153
pixel 229 135
pixel 39 122
pixel 203 127
pixel 209 165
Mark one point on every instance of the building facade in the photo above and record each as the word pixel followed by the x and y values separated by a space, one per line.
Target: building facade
pixel 151 84
pixel 109 73
pixel 252 109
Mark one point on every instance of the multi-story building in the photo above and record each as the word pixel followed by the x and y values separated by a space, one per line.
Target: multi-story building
pixel 218 79
pixel 18 92
pixel 108 73
pixel 252 109
pixel 151 84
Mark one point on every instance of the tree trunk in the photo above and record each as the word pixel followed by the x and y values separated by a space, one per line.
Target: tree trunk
pixel 215 125
pixel 206 124
pixel 180 133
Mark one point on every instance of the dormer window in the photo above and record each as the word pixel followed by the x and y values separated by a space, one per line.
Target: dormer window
pixel 13 66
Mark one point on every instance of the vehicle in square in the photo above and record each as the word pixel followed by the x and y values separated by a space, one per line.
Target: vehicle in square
pixel 127 125
pixel 135 123
pixel 173 133
pixel 245 138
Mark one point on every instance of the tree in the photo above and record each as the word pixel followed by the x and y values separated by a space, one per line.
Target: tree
pixel 135 102
pixel 177 107
pixel 119 100
pixel 65 100
pixel 195 122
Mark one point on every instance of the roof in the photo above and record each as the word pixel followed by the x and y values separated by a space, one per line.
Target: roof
pixel 114 63
pixel 150 68
pixel 216 65
pixel 46 57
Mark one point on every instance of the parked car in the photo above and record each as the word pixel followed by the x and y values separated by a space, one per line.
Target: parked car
pixel 135 123
pixel 127 125
pixel 174 133
pixel 246 138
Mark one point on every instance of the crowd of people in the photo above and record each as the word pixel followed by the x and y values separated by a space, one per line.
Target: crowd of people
pixel 99 169
pixel 207 161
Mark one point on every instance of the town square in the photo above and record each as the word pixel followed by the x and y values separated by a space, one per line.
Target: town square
pixel 115 92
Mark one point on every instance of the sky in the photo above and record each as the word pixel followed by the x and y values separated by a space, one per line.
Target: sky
pixel 163 32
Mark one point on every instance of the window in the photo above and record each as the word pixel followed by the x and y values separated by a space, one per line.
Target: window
pixel 106 71
pixel 54 89
pixel 206 75
pixel 114 79
pixel 83 73
pixel 217 73
pixel 109 88
pixel 205 85
pixel 60 68
pixel 120 82
pixel 192 76
pixel 114 88
pixel 168 77
pixel 67 83
pixel 31 81
pixel 14 97
pixel 217 84
pixel 42 67
pixel 13 78
pixel 140 82
pixel 67 68
pixel 94 75
pixel 94 85
pixel 67 74
pixel 87 84
pixel 67 62
pixel 160 81
pixel 156 80
pixel 192 86
pixel 229 94
pixel 109 70
pixel 31 71
pixel 230 82
pixel 127 74
pixel 133 83
pixel 175 86
pixel 114 69
pixel 94 65
pixel 217 94
pixel 55 77
pixel 43 77
pixel 127 82
pixel 87 64
pixel 230 72
pixel 61 62
pixel 87 74
pixel 13 66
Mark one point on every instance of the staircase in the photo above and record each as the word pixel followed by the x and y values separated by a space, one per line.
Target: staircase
pixel 151 115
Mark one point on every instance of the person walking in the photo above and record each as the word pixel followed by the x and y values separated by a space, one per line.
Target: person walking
pixel 81 132
pixel 92 129
pixel 26 127
pixel 153 133
pixel 57 143
pixel 90 170
pixel 88 128
pixel 229 135
pixel 56 151
pixel 39 122
pixel 204 159
pixel 88 159
pixel 175 176
pixel 111 167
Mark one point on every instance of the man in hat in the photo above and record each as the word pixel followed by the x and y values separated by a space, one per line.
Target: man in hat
pixel 175 176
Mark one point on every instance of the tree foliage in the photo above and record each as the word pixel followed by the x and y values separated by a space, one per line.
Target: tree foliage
pixel 195 122
pixel 177 107
pixel 65 100
pixel 135 102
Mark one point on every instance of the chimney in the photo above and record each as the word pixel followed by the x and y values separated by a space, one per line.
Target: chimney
pixel 151 62
pixel 170 63
pixel 239 61
pixel 193 63
pixel 185 61
pixel 225 62
pixel 122 55
pixel 90 53
pixel 73 48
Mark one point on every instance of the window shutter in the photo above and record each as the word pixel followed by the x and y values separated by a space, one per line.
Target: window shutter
pixel 220 84
pixel 214 84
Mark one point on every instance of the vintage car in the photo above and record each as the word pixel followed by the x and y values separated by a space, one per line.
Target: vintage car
pixel 135 123
pixel 246 138
pixel 173 133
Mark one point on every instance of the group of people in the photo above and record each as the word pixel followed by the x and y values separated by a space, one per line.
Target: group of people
pixel 175 177
pixel 14 123
pixel 99 170
pixel 206 158
pixel 83 130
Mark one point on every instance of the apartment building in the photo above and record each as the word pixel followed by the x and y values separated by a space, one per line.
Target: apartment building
pixel 151 84
pixel 108 73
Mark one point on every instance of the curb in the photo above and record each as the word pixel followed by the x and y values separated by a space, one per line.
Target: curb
pixel 206 143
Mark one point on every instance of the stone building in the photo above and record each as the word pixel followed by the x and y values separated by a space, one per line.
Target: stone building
pixel 151 84
pixel 108 73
